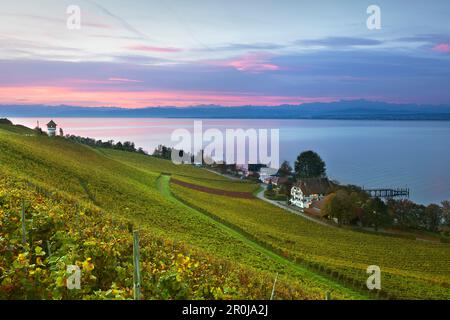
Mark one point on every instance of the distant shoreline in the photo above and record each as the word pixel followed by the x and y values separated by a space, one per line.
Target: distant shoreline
pixel 444 119
pixel 341 110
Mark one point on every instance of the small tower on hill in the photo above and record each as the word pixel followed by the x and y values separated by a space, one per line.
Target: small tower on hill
pixel 51 128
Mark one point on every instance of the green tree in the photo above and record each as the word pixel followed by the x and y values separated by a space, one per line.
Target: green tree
pixel 285 188
pixel 339 205
pixel 309 165
pixel 433 217
pixel 285 169
pixel 119 146
pixel 376 214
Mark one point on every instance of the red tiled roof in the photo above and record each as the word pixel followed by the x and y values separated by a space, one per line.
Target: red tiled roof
pixel 311 186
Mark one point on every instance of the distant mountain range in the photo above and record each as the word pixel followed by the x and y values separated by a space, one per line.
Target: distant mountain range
pixel 350 110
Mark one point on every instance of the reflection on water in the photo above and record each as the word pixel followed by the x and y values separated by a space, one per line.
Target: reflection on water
pixel 412 154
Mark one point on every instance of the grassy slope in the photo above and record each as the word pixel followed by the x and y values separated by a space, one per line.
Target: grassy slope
pixel 129 191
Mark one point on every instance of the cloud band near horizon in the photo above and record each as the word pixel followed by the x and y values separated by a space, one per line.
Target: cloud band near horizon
pixel 229 53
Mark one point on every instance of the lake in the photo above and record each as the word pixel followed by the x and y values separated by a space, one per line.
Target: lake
pixel 373 154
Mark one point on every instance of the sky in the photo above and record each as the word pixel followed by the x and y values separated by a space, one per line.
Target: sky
pixel 141 53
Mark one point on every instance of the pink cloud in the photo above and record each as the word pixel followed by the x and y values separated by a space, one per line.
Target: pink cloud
pixel 251 62
pixel 94 97
pixel 442 47
pixel 87 83
pixel 153 49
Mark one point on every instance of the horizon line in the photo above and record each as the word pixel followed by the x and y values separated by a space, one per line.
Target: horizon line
pixel 227 106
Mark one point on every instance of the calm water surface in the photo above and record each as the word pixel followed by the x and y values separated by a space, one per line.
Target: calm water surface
pixel 412 154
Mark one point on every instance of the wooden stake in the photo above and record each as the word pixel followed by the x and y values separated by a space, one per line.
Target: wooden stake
pixel 49 249
pixel 273 288
pixel 137 269
pixel 24 228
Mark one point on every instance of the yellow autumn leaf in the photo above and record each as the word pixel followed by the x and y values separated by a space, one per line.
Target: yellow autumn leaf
pixel 88 265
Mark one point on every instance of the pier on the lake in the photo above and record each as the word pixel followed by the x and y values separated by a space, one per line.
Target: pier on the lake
pixel 388 193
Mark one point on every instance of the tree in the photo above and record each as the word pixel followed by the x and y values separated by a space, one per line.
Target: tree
pixel 129 146
pixel 285 169
pixel 446 212
pixel 408 214
pixel 141 151
pixel 403 212
pixel 309 165
pixel 165 152
pixel 339 205
pixel 39 131
pixel 5 121
pixel 433 217
pixel 286 187
pixel 119 146
pixel 375 213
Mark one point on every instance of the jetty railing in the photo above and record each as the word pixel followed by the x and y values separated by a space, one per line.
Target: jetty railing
pixel 388 193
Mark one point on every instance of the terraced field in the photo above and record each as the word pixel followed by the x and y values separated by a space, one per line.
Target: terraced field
pixel 218 182
pixel 213 191
pixel 115 191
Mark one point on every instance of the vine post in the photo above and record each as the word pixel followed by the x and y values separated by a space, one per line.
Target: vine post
pixel 273 288
pixel 136 265
pixel 24 227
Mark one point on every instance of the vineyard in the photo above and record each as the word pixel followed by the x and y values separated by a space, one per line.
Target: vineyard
pixel 410 269
pixel 63 232
pixel 80 205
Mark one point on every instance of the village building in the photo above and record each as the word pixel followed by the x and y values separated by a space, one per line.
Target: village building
pixel 242 169
pixel 276 181
pixel 254 169
pixel 307 191
pixel 51 128
pixel 266 173
pixel 315 208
